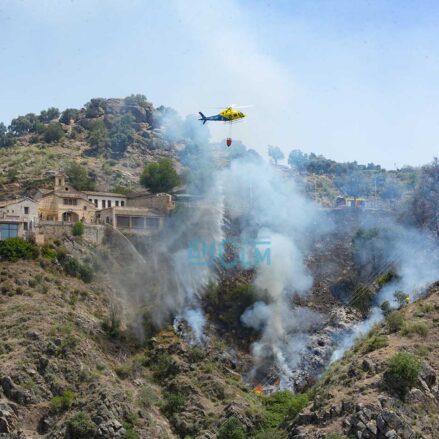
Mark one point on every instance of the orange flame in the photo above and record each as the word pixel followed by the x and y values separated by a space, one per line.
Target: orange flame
pixel 259 390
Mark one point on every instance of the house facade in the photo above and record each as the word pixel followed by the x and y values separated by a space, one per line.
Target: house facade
pixel 65 204
pixel 133 219
pixel 18 218
pixel 160 202
pixel 104 200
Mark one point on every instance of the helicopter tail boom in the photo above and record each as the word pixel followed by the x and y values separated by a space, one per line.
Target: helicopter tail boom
pixel 203 117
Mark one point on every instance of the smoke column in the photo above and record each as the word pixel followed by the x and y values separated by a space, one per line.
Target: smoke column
pixel 414 256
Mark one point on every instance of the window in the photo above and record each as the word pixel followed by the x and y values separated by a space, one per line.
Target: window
pixel 137 222
pixel 109 203
pixel 25 226
pixel 152 223
pixel 107 220
pixel 8 231
pixel 85 207
pixel 91 200
pixel 26 210
pixel 67 189
pixel 70 201
pixel 96 203
pixel 103 204
pixel 116 203
pixel 59 181
pixel 122 221
pixel 122 203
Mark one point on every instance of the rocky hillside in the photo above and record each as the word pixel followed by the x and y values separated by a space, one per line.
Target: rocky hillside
pixel 71 368
pixel 386 386
pixel 112 139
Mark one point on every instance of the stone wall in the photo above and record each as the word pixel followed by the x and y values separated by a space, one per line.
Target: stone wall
pixel 92 232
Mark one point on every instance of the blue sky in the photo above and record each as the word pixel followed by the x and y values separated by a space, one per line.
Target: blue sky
pixel 353 80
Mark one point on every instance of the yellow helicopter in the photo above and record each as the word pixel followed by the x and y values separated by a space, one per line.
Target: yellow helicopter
pixel 229 115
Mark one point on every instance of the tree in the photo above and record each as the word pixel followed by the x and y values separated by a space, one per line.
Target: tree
pixel 6 138
pixel 297 159
pixel 275 153
pixel 160 176
pixel 79 178
pixel 121 134
pixel 98 135
pixel 424 209
pixel 48 115
pixel 354 185
pixel 78 228
pixel 20 125
pixel 391 190
pixel 53 132
pixel 68 115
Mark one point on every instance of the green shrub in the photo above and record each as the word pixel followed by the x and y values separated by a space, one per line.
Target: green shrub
pixel 13 249
pixel 402 372
pixel 231 429
pixel 411 328
pixel 160 176
pixel 385 308
pixel 229 303
pixel 196 354
pixel 394 321
pixel 81 426
pixel 129 424
pixel 48 252
pixel 112 325
pixel 385 278
pixel 71 266
pixel 174 403
pixel 402 298
pixel 74 268
pixel 86 273
pixel 362 298
pixel 53 132
pixel 282 405
pixel 62 402
pixel 163 367
pixel 78 228
pixel 375 342
pixel 79 177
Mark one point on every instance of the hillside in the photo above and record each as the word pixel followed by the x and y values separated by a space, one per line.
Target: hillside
pixel 361 395
pixel 256 307
pixel 112 138
pixel 70 370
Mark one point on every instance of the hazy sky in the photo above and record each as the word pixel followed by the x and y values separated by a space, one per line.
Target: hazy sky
pixel 353 80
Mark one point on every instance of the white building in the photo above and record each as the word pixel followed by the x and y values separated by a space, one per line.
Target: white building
pixel 105 200
pixel 18 217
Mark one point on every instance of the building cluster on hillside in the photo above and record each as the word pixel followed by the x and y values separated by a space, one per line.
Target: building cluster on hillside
pixel 350 202
pixel 138 212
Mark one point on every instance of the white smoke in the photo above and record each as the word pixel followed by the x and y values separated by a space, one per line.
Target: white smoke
pixel 414 255
pixel 196 321
pixel 271 208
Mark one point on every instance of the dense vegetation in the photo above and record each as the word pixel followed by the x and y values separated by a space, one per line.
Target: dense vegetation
pixel 160 176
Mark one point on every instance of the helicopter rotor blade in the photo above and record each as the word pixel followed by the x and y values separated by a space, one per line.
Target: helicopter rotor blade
pixel 230 106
